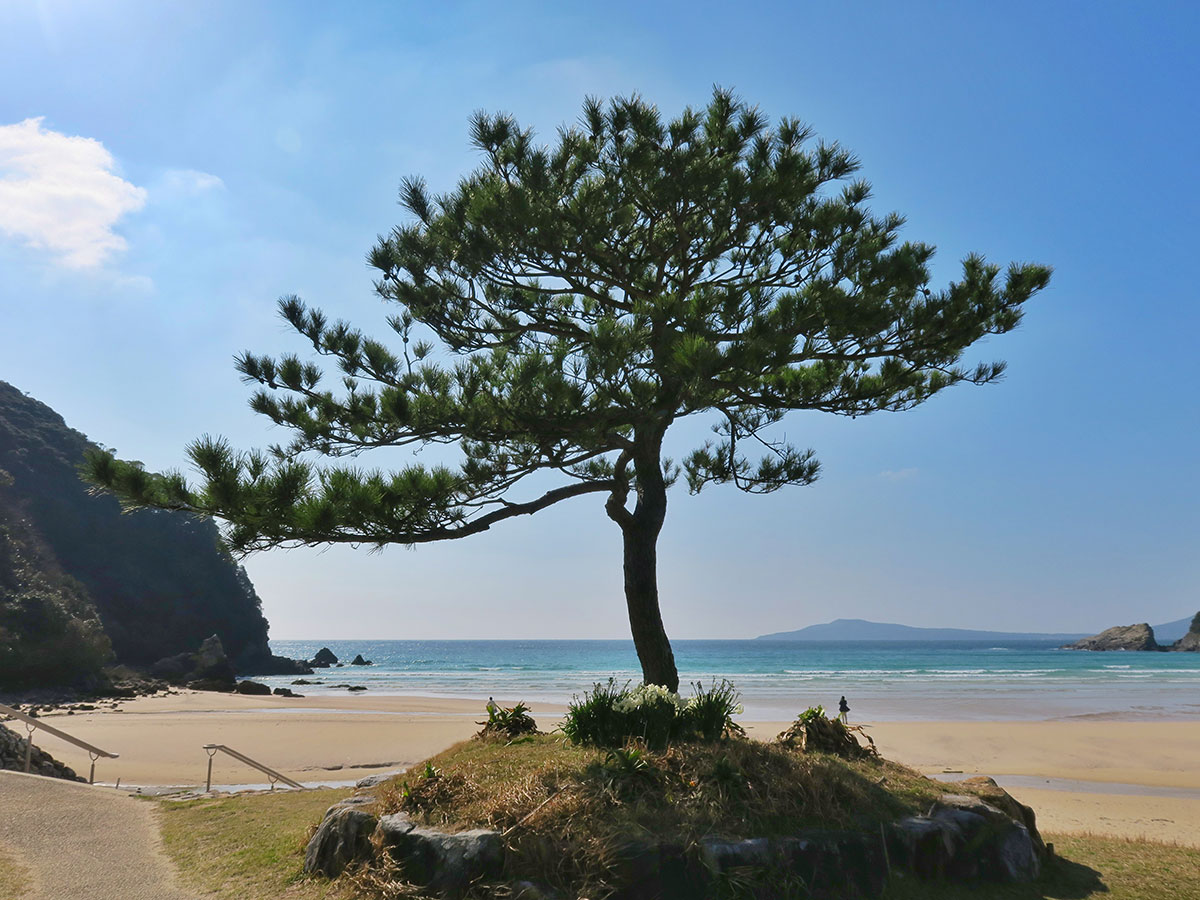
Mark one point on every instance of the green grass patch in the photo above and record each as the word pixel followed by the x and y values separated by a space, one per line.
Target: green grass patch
pixel 1087 866
pixel 14 878
pixel 248 847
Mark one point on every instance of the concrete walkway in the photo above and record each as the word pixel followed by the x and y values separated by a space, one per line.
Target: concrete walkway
pixel 84 843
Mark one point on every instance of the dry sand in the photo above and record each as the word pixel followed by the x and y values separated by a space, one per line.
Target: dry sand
pixel 333 739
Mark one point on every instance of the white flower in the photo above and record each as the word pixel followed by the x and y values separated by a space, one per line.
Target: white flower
pixel 649 695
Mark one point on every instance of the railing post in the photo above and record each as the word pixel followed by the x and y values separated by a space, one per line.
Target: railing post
pixel 208 781
pixel 28 745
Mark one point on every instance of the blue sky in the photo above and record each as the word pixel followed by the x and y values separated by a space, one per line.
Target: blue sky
pixel 167 170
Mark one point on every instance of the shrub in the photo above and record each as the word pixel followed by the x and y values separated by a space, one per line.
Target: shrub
pixel 813 732
pixel 595 719
pixel 610 716
pixel 710 713
pixel 508 723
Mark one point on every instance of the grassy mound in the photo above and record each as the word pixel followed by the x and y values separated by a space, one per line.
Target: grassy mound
pixel 251 848
pixel 565 808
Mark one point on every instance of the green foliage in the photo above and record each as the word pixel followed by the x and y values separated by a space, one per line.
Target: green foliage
pixel 594 719
pixel 711 711
pixel 813 712
pixel 611 716
pixel 625 769
pixel 564 305
pixel 1195 626
pixel 508 722
pixel 586 295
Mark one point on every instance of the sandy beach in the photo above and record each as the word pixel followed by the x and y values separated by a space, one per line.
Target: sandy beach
pixel 1132 779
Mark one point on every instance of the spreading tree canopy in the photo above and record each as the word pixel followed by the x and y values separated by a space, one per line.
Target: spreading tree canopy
pixel 563 306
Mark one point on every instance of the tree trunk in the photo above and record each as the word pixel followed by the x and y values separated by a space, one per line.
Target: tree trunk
pixel 639 530
pixel 645 619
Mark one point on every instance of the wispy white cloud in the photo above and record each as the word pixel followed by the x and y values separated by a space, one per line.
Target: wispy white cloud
pixel 59 193
pixel 189 182
pixel 898 474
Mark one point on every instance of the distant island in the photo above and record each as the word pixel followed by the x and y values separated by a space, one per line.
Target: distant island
pixel 862 630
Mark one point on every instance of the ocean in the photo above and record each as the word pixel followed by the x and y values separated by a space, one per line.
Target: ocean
pixel 919 680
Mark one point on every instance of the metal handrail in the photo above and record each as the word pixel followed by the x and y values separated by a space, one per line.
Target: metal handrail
pixel 32 723
pixel 271 774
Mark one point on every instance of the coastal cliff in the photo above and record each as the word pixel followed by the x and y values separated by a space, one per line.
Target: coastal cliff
pixel 82 584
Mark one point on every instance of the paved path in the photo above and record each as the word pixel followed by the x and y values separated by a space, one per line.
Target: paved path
pixel 84 843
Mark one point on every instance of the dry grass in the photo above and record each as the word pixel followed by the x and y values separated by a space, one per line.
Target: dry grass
pixel 249 847
pixel 14 879
pixel 567 807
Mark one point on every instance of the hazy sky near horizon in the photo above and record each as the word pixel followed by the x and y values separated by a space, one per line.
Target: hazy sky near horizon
pixel 168 169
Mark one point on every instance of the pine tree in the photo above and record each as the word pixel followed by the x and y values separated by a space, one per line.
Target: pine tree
pixel 564 305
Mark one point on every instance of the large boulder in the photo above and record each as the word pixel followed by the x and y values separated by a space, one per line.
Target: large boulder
pixel 254 688
pixel 1122 637
pixel 968 840
pixel 208 664
pixel 444 864
pixel 991 793
pixel 359 661
pixel 343 837
pixel 211 661
pixel 829 864
pixel 324 659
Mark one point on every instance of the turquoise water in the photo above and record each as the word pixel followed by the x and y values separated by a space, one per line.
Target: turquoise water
pixel 881 680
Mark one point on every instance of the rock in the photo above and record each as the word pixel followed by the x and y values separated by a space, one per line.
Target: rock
pixel 212 684
pixel 211 661
pixel 252 687
pixel 371 781
pixel 12 757
pixel 324 659
pixel 359 661
pixel 175 668
pixel 304 681
pixel 1122 637
pixel 285 692
pixel 1190 641
pixel 270 664
pixel 356 687
pixel 445 864
pixel 987 789
pixel 343 837
pixel 829 864
pixel 968 840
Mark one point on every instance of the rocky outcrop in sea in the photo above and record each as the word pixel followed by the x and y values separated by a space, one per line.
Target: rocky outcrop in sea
pixel 1122 637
